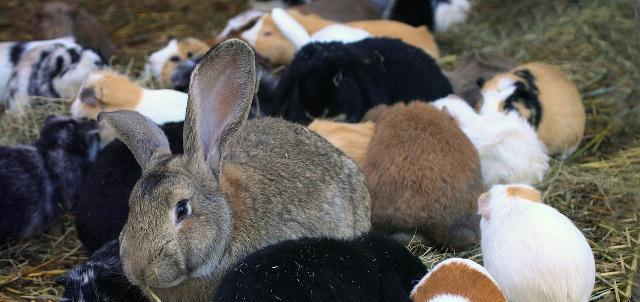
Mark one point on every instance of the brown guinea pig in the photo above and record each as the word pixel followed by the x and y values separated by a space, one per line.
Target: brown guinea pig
pixel 423 174
pixel 352 139
pixel 57 19
pixel 270 43
pixel 546 98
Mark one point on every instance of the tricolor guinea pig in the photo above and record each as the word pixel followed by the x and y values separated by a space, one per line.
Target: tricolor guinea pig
pixel 457 280
pixel 109 91
pixel 438 15
pixel 270 42
pixel 352 139
pixel 510 151
pixel 423 174
pixel 534 252
pixel 162 63
pixel 546 98
pixel 51 71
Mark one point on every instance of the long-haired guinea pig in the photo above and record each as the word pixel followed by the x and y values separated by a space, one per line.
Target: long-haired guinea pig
pixel 534 252
pixel 423 175
pixel 546 98
pixel 38 182
pixel 270 43
pixel 457 280
pixel 109 91
pixel 330 80
pixel 369 268
pixel 352 139
pixel 510 151
pixel 57 19
pixel 163 62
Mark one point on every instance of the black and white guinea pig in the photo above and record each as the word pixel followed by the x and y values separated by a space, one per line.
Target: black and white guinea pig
pixel 103 199
pixel 438 15
pixel 369 268
pixel 544 96
pixel 327 80
pixel 100 278
pixel 52 71
pixel 38 182
pixel 162 63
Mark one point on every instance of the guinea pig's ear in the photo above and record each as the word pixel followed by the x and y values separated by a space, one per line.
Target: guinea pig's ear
pixel 483 206
pixel 143 137
pixel 220 93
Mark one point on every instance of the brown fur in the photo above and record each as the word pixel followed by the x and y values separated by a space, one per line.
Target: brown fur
pixel 423 174
pixel 185 46
pixel 111 92
pixel 272 45
pixel 525 192
pixel 57 19
pixel 460 279
pixel 352 139
pixel 563 116
pixel 340 10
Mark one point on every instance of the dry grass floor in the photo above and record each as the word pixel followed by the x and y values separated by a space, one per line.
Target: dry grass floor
pixel 597 42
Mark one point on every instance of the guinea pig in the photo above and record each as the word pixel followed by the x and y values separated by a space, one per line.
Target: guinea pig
pixel 438 15
pixel 534 252
pixel 368 268
pixel 352 139
pixel 423 174
pixel 457 280
pixel 546 98
pixel 329 80
pixel 162 63
pixel 57 19
pixel 340 10
pixel 510 151
pixel 270 43
pixel 51 71
pixel 38 182
pixel 109 91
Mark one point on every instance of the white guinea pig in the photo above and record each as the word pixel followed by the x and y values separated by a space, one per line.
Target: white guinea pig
pixel 510 151
pixel 533 251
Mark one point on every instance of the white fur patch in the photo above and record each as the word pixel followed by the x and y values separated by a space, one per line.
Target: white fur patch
pixel 163 105
pixel 448 298
pixel 493 97
pixel 239 21
pixel 448 14
pixel 156 60
pixel 251 35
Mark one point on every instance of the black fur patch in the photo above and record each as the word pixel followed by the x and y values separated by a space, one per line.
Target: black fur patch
pixel 527 94
pixel 75 56
pixel 16 52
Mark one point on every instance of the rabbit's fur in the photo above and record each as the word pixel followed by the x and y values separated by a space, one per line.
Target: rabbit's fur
pixel 39 181
pixel 510 151
pixel 457 280
pixel 103 197
pixel 238 187
pixel 352 139
pixel 100 278
pixel 369 268
pixel 423 174
pixel 327 80
pixel 534 252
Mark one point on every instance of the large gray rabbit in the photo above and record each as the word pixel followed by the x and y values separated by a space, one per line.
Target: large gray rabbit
pixel 239 186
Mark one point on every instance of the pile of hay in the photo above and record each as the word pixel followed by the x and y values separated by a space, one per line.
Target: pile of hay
pixel 596 42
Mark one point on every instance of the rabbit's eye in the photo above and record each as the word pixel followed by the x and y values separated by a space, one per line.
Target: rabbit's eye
pixel 174 59
pixel 183 210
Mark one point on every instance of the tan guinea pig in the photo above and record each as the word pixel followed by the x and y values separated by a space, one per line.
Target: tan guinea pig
pixel 352 139
pixel 162 63
pixel 546 98
pixel 423 175
pixel 457 280
pixel 270 43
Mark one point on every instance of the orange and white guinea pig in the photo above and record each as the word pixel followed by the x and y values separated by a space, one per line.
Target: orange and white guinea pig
pixel 352 139
pixel 163 62
pixel 457 280
pixel 110 91
pixel 544 96
pixel 269 41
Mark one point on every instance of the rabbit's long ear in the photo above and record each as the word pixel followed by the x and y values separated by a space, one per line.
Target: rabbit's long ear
pixel 220 93
pixel 143 137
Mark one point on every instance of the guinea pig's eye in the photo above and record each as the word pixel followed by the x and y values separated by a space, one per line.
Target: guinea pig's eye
pixel 189 55
pixel 267 33
pixel 183 210
pixel 174 59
